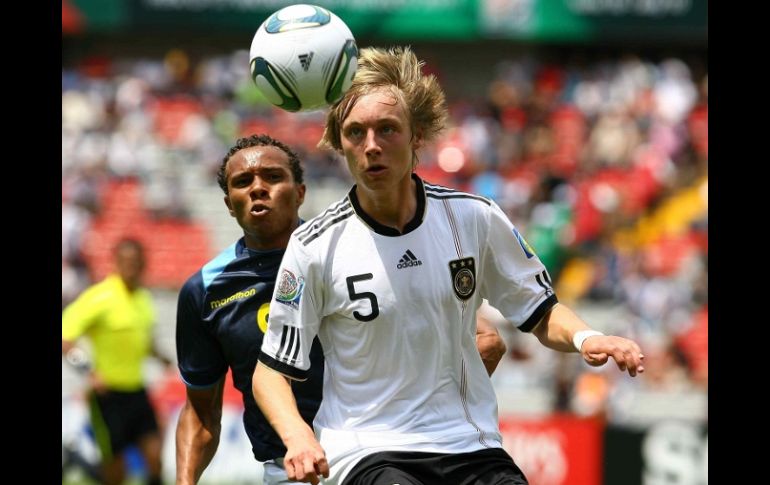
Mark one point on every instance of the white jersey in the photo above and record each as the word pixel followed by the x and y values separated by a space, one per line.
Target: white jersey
pixel 395 314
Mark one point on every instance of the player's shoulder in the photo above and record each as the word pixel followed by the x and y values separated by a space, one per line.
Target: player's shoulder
pixel 440 193
pixel 108 284
pixel 213 269
pixel 192 285
pixel 101 291
pixel 331 219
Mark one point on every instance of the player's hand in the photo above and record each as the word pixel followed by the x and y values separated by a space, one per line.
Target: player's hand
pixel 305 461
pixel 490 345
pixel 96 383
pixel 596 350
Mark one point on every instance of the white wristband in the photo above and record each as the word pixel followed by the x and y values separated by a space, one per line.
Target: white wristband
pixel 78 359
pixel 579 337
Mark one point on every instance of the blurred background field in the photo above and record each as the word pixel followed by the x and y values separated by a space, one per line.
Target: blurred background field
pixel 586 120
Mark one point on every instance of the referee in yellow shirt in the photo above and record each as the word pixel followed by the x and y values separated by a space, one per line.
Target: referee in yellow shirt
pixel 117 315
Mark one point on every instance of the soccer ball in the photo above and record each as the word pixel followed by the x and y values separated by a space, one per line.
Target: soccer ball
pixel 303 57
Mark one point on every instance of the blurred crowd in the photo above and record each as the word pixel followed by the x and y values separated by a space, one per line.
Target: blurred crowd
pixel 602 164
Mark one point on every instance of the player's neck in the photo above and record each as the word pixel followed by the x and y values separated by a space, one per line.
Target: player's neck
pixel 131 286
pixel 261 242
pixel 394 208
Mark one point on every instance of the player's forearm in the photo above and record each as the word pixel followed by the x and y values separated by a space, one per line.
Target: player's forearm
pixel 274 396
pixel 196 444
pixel 159 355
pixel 558 327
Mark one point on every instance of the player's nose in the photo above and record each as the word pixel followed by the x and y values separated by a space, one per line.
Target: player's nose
pixel 259 188
pixel 370 142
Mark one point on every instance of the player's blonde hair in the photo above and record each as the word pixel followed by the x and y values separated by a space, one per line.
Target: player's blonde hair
pixel 398 68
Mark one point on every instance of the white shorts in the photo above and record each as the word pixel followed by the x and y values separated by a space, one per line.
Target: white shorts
pixel 275 474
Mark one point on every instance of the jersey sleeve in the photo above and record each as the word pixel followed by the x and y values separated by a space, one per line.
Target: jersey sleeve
pixel 516 282
pixel 200 357
pixel 82 313
pixel 294 314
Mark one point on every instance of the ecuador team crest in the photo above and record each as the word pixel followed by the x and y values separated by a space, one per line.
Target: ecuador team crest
pixel 463 277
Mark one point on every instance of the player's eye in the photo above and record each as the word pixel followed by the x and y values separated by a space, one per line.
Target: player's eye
pixel 242 181
pixel 354 132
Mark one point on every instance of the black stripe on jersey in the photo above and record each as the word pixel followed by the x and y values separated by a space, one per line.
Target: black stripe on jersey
pixel 319 220
pixel 411 255
pixel 547 285
pixel 430 185
pixel 287 344
pixel 289 347
pixel 547 278
pixel 538 314
pixel 285 369
pixel 292 341
pixel 441 192
pixel 440 189
pixel 284 334
pixel 290 353
pixel 315 235
pixel 294 356
pixel 464 399
pixel 459 195
pixel 453 227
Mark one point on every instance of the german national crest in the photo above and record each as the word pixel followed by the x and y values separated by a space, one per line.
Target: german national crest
pixel 463 277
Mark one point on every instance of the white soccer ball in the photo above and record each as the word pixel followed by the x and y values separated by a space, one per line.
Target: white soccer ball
pixel 303 57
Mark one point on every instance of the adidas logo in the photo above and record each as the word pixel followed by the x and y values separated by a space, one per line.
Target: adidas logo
pixel 304 60
pixel 408 260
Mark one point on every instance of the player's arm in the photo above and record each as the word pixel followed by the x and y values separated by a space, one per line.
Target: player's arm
pixel 197 432
pixel 155 352
pixel 489 343
pixel 77 318
pixel 81 362
pixel 293 314
pixel 561 329
pixel 203 367
pixel 76 357
pixel 305 460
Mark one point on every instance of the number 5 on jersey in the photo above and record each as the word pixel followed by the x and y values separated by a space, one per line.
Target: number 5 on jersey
pixel 364 295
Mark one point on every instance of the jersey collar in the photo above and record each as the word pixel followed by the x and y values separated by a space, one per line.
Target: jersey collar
pixel 419 214
pixel 242 250
pixel 240 247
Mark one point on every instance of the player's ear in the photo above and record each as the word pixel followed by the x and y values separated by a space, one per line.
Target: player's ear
pixel 300 194
pixel 229 205
pixel 417 140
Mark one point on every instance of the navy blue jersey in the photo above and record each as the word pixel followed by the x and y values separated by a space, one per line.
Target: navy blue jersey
pixel 221 318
